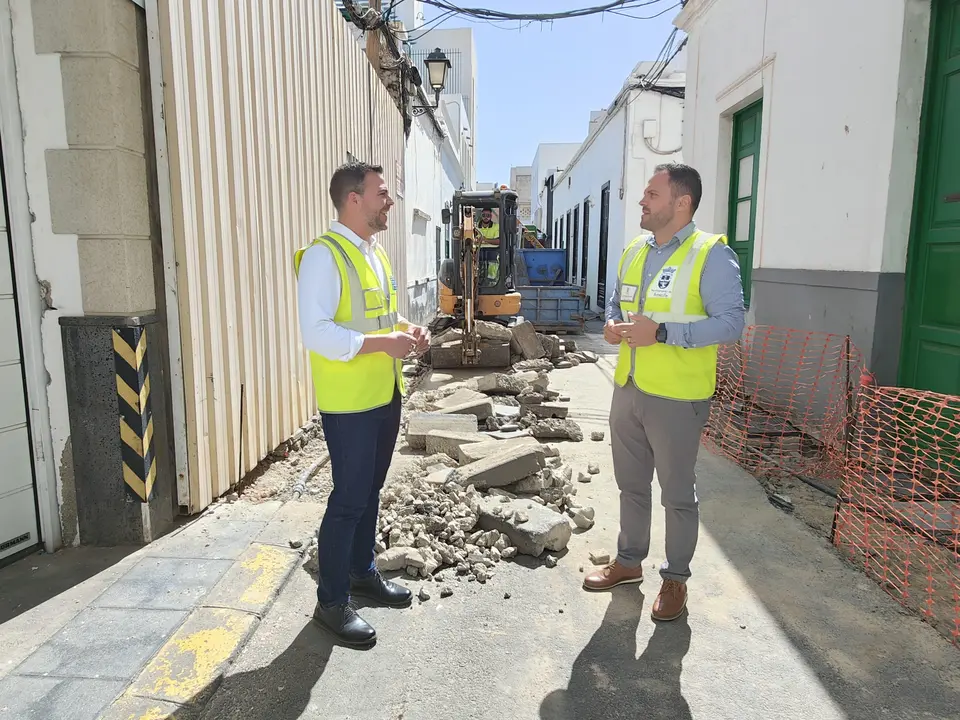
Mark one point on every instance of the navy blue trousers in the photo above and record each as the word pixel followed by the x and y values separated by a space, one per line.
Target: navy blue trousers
pixel 361 447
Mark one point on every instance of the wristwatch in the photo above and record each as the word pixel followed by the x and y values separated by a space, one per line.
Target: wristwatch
pixel 661 333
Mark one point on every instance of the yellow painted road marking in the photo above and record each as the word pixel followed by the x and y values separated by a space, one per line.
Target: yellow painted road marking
pixel 195 656
pixel 270 565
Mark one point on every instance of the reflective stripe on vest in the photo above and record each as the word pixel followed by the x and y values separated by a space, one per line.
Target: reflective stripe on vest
pixel 358 296
pixel 667 370
pixel 681 283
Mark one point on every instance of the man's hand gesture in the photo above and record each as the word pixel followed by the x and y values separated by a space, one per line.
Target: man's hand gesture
pixel 612 332
pixel 641 331
pixel 422 336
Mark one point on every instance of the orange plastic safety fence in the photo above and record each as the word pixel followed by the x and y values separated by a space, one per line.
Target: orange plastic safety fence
pixel 784 402
pixel 803 403
pixel 899 509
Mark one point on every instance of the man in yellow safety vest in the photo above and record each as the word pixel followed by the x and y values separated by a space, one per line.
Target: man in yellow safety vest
pixel 489 252
pixel 347 298
pixel 678 296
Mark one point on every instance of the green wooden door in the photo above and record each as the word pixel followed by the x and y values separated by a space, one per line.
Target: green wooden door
pixel 744 172
pixel 930 358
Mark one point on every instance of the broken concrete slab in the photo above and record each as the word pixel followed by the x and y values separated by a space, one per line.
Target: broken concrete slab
pixel 553 428
pixel 419 424
pixel 502 469
pixel 526 342
pixel 551 345
pixel 507 412
pixel 537 529
pixel 528 486
pixel 398 558
pixel 466 402
pixel 545 410
pixel 447 336
pixel 494 331
pixel 477 451
pixel 501 384
pixel 449 443
pixel 507 432
pixel 542 365
pixel 458 397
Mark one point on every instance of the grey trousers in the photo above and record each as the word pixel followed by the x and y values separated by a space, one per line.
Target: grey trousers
pixel 648 432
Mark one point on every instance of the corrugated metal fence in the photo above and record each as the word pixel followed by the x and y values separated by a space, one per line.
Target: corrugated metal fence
pixel 263 99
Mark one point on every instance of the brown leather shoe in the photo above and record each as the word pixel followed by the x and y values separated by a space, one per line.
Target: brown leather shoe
pixel 612 575
pixel 670 602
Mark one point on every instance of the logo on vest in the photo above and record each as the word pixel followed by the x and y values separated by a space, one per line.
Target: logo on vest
pixel 663 288
pixel 393 281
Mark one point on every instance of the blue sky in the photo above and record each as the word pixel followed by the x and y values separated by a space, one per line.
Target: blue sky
pixel 540 82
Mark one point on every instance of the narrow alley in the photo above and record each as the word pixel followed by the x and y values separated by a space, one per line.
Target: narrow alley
pixel 339 340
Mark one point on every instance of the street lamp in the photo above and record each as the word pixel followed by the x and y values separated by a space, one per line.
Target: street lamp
pixel 437 65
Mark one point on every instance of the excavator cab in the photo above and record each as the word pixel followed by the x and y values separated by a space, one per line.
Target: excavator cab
pixel 477 281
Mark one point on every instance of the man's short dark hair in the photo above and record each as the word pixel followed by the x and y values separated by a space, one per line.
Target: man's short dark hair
pixel 350 178
pixel 684 180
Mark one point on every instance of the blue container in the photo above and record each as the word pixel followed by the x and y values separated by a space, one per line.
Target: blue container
pixel 556 308
pixel 546 266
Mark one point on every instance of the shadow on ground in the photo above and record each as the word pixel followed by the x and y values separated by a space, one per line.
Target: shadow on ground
pixel 874 658
pixel 609 681
pixel 281 690
pixel 39 577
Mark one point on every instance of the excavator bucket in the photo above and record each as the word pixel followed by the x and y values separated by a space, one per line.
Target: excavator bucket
pixel 452 356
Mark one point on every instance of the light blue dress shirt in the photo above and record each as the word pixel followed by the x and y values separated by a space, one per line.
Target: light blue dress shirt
pixel 721 289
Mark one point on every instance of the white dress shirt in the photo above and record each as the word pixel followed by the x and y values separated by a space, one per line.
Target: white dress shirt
pixel 318 295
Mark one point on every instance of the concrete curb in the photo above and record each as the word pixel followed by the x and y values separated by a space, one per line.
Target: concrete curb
pixel 189 667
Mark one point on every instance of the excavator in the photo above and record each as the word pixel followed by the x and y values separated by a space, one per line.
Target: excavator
pixel 477 282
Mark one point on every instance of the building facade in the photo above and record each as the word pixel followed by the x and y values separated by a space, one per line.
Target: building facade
pixel 846 218
pixel 595 204
pixel 521 180
pixel 550 159
pixel 160 168
pixel 439 157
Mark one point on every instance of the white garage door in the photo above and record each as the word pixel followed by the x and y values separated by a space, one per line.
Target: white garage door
pixel 18 505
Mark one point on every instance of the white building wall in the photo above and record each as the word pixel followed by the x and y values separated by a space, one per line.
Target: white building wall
pixel 548 159
pixel 520 181
pixel 839 123
pixel 604 158
pixel 55 273
pixel 433 173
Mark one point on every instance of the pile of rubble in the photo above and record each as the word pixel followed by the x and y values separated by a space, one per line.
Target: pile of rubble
pixel 528 348
pixel 494 500
pixel 487 489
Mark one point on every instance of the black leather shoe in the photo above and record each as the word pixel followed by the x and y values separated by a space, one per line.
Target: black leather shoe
pixel 375 587
pixel 349 628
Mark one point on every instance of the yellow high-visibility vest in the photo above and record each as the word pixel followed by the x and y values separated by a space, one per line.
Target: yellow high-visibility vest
pixel 489 233
pixel 665 370
pixel 367 381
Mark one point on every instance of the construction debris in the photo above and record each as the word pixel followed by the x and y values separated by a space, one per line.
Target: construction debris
pixel 419 424
pixel 489 488
pixel 599 557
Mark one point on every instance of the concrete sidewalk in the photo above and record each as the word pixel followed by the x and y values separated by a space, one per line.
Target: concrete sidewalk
pixel 150 636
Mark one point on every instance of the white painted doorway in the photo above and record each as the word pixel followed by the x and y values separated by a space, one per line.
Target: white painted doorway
pixel 19 523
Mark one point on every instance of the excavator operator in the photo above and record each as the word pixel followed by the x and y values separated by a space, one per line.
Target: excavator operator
pixel 489 246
